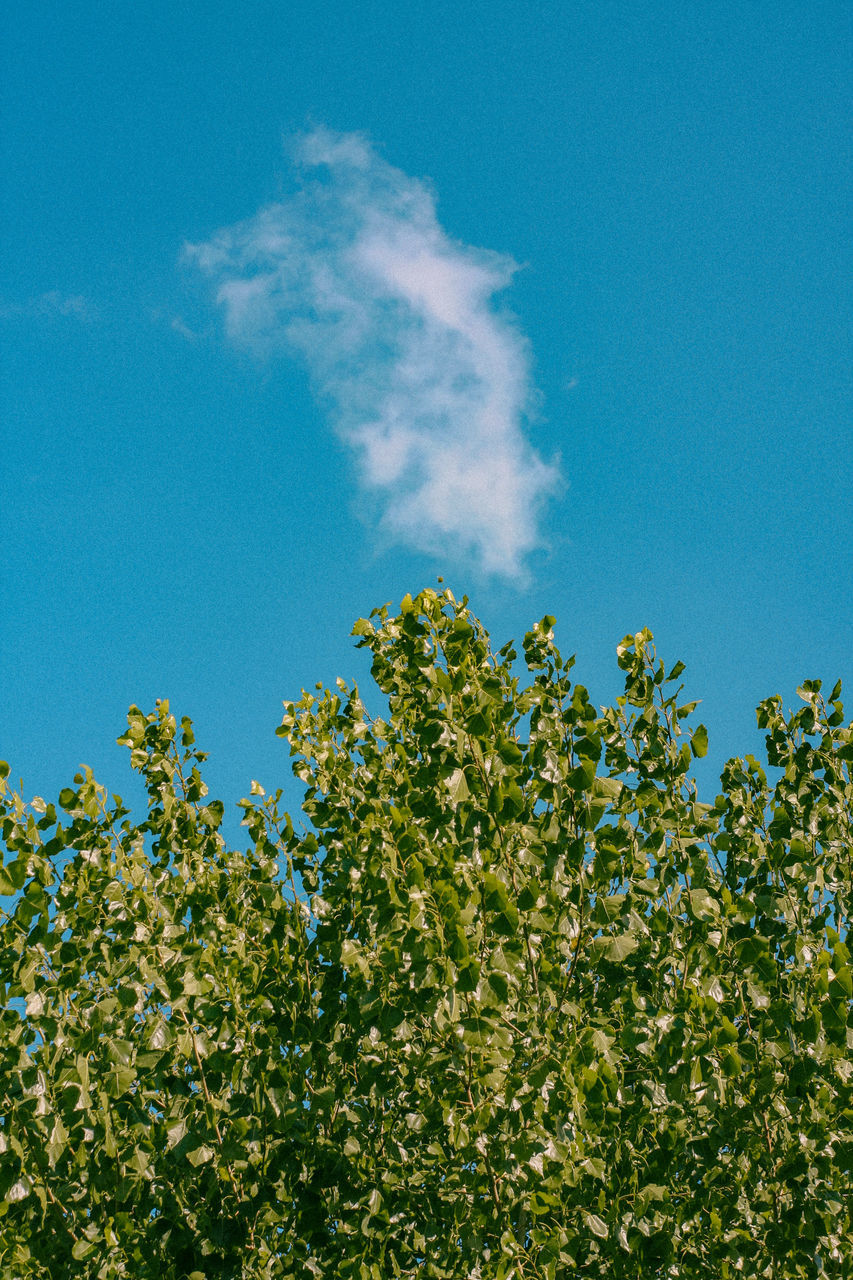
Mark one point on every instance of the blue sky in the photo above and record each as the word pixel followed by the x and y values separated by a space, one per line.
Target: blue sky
pixel 304 305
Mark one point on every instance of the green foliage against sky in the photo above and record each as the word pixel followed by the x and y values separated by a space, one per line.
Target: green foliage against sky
pixel 508 1001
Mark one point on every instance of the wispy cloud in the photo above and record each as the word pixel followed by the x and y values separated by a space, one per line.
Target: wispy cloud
pixel 47 305
pixel 177 325
pixel 423 375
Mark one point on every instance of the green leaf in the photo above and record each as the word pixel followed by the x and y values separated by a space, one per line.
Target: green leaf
pixel 176 1132
pixel 12 877
pixel 118 1080
pixel 458 787
pixel 582 777
pixel 842 983
pixel 620 947
pixel 607 788
pixel 699 741
pixel 731 1062
pixel 57 1142
pixel 728 1033
pixel 200 1155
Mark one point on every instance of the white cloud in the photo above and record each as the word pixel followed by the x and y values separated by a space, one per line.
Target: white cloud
pixel 48 304
pixel 424 377
pixel 177 325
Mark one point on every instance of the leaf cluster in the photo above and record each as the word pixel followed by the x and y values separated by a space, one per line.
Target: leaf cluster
pixel 508 1001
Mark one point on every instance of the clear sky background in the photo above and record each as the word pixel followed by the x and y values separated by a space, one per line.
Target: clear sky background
pixel 303 304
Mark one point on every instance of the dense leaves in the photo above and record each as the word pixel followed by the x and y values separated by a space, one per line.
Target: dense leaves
pixel 510 1001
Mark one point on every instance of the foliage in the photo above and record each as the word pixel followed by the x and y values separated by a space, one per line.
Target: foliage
pixel 512 1003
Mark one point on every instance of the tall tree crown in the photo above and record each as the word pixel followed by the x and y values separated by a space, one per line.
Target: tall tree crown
pixel 508 1001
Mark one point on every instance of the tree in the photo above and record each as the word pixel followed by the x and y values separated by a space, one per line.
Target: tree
pixel 510 1002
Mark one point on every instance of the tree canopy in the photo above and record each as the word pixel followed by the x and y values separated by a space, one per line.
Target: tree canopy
pixel 508 1000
